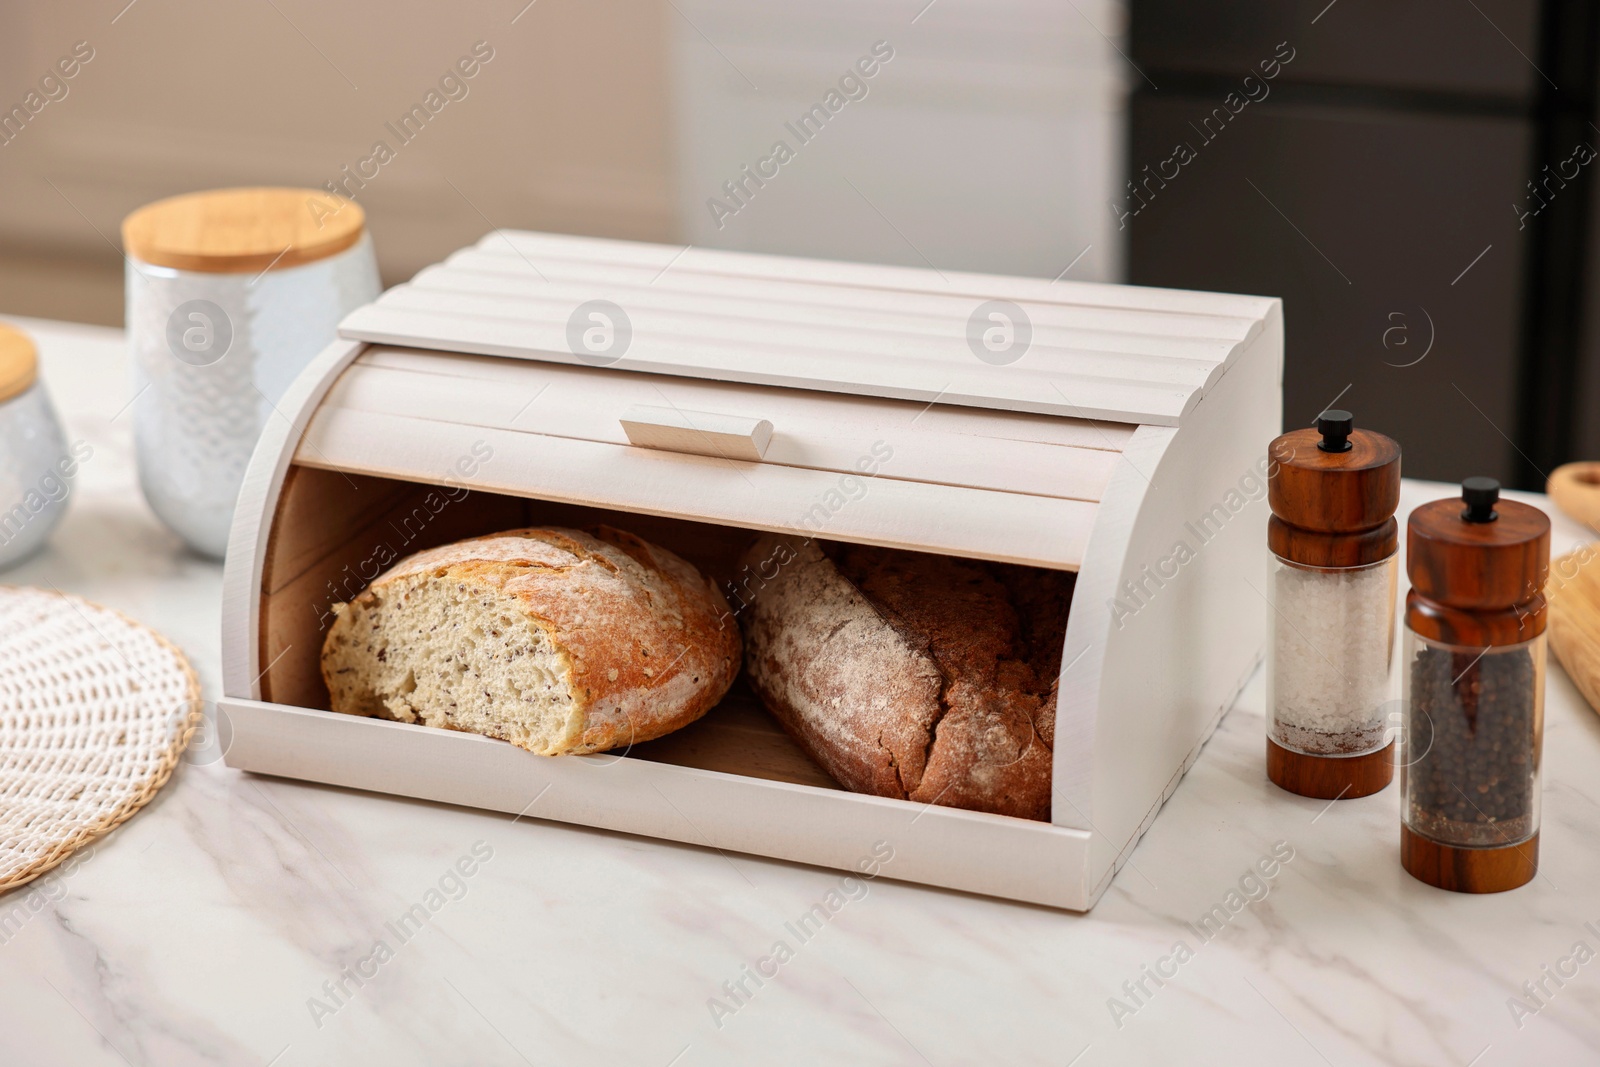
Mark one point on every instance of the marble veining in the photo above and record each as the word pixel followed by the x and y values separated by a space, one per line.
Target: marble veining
pixel 202 931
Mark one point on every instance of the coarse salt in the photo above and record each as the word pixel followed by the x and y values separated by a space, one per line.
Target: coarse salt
pixel 1329 673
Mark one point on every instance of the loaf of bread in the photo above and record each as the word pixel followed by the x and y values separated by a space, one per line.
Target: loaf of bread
pixel 557 640
pixel 922 677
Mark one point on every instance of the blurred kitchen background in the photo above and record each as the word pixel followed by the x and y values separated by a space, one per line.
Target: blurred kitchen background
pixel 1412 179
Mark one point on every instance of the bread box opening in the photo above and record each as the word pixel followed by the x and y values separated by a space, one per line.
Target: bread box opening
pixel 364 523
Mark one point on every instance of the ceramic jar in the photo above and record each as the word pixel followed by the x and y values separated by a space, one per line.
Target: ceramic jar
pixel 36 466
pixel 230 293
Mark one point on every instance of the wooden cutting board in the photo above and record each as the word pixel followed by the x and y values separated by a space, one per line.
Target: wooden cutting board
pixel 1573 588
pixel 1574 594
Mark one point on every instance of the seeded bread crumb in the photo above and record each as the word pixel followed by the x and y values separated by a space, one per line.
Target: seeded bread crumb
pixel 556 640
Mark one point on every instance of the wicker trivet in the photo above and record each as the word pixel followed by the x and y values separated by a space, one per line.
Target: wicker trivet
pixel 94 711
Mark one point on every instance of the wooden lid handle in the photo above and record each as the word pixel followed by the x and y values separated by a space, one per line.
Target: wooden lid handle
pixel 700 433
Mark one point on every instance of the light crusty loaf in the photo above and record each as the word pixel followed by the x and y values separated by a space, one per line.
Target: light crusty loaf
pixel 557 640
pixel 910 675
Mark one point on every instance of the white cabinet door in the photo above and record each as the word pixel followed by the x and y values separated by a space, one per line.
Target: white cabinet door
pixel 990 138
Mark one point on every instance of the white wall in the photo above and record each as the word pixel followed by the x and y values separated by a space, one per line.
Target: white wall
pixel 991 141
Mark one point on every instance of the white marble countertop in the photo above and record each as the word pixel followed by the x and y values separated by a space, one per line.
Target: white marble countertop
pixel 204 930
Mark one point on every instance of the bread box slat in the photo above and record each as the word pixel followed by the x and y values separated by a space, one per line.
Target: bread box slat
pixel 935 419
pixel 1076 396
pixel 1154 381
pixel 383 452
pixel 1010 453
pixel 478 273
pixel 789 332
pixel 556 250
pixel 1007 527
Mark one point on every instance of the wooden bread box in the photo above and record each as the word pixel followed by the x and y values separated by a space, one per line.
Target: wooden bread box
pixel 735 393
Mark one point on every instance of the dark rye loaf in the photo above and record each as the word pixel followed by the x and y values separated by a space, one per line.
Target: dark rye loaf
pixel 921 677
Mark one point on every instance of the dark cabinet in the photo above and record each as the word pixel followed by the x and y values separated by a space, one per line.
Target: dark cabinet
pixel 1470 48
pixel 1380 184
pixel 1365 223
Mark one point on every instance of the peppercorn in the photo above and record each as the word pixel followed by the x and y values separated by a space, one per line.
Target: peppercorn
pixel 1474 744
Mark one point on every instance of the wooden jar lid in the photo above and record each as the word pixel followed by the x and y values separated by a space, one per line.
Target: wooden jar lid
pixel 242 231
pixel 19 362
pixel 1333 491
pixel 1477 553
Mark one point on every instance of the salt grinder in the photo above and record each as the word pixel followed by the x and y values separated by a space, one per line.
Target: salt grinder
pixel 1333 492
pixel 1475 661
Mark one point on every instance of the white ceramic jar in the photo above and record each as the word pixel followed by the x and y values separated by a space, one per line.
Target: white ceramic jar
pixel 36 466
pixel 230 293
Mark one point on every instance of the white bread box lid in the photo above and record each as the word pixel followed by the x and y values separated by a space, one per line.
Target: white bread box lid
pixel 1107 352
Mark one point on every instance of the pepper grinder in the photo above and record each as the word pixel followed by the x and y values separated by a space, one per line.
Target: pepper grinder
pixel 1475 654
pixel 1333 491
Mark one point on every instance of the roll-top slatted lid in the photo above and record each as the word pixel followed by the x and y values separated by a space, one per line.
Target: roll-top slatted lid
pixel 1078 350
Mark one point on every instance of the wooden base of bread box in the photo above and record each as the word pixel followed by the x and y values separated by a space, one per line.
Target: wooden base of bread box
pixel 734 781
pixel 1019 859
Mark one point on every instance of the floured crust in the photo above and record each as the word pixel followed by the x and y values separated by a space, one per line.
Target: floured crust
pixel 903 674
pixel 642 643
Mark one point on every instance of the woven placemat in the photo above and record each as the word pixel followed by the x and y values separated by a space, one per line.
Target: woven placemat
pixel 95 710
